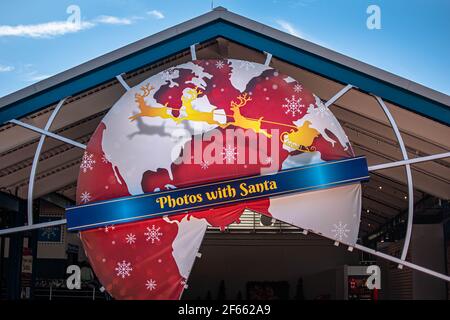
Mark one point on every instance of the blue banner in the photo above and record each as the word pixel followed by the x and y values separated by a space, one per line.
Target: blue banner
pixel 151 205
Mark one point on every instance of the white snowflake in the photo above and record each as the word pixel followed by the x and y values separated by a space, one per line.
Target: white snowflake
pixel 183 282
pixel 123 269
pixel 150 284
pixel 293 105
pixel 340 231
pixel 298 88
pixel 268 160
pixel 247 65
pixel 204 165
pixel 130 238
pixel 153 234
pixel 229 153
pixel 106 158
pixel 85 197
pixel 220 64
pixel 109 227
pixel 87 162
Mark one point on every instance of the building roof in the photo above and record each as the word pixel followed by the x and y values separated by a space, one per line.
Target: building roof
pixel 223 23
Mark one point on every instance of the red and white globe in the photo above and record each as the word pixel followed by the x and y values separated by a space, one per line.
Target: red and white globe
pixel 186 112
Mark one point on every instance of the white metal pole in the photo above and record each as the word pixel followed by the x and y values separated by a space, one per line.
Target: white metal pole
pixel 393 259
pixel 409 161
pixel 48 133
pixel 122 81
pixel 403 262
pixel 34 226
pixel 408 177
pixel 193 53
pixel 268 58
pixel 338 95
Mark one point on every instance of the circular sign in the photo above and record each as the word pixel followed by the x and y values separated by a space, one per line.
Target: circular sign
pixel 195 123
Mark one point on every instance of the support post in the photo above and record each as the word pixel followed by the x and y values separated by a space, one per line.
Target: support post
pixel 15 255
pixel 122 81
pixel 338 95
pixel 193 53
pixel 268 58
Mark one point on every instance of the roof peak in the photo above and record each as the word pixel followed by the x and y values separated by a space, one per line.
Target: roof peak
pixel 220 8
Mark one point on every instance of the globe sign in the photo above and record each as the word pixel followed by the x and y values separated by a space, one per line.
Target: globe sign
pixel 199 122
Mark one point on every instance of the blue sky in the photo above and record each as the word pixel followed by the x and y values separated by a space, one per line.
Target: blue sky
pixel 413 42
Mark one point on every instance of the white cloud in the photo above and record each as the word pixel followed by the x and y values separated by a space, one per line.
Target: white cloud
pixel 38 77
pixel 113 20
pixel 29 74
pixel 6 68
pixel 156 14
pixel 44 30
pixel 59 28
pixel 289 28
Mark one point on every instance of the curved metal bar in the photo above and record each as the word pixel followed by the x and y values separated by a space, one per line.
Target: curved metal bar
pixel 37 154
pixel 408 178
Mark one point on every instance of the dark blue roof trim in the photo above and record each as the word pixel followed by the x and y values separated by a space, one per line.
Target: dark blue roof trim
pixel 324 67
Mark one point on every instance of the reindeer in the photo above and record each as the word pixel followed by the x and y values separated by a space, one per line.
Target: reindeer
pixel 243 122
pixel 149 111
pixel 195 115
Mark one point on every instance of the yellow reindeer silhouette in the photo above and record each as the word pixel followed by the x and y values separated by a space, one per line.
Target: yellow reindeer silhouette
pixel 196 115
pixel 300 138
pixel 242 121
pixel 149 111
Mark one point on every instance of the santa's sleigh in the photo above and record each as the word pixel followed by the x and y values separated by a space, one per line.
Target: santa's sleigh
pixel 300 138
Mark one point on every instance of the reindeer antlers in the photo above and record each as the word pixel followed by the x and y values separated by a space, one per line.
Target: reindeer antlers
pixel 146 89
pixel 193 94
pixel 243 99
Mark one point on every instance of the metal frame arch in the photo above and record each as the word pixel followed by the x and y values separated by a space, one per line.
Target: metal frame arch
pixel 37 154
pixel 408 178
